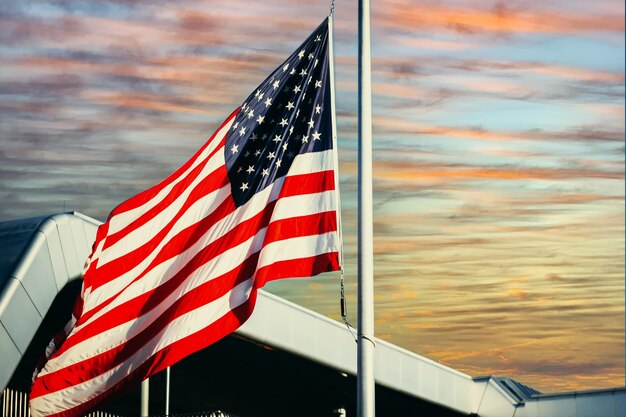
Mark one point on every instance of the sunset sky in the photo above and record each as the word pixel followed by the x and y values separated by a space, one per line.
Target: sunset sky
pixel 498 154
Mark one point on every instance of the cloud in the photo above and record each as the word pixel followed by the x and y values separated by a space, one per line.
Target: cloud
pixel 501 19
pixel 394 124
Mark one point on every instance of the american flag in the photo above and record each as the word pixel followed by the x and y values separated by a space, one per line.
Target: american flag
pixel 177 267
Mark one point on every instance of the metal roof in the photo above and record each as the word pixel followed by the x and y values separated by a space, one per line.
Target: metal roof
pixel 40 256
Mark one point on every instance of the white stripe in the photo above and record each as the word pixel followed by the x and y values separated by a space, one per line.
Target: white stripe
pixel 122 220
pixel 191 322
pixel 310 162
pixel 225 262
pixel 152 227
pixel 315 161
pixel 298 247
pixel 304 205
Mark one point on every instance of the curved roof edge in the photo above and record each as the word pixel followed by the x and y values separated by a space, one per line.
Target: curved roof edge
pixel 53 256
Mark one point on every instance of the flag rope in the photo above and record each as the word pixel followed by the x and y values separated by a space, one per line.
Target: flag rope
pixel 344 310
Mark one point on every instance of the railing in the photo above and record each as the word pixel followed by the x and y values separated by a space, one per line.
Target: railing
pixel 15 404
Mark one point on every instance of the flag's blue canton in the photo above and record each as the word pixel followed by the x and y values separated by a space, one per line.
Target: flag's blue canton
pixel 288 114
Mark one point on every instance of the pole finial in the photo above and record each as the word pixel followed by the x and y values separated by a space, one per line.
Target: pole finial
pixel 332 7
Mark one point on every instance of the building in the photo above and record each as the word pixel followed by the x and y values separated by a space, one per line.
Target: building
pixel 285 361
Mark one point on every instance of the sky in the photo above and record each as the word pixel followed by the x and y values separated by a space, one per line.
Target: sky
pixel 498 154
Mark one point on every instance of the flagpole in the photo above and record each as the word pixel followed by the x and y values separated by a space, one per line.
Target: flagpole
pixel 145 397
pixel 167 391
pixel 365 353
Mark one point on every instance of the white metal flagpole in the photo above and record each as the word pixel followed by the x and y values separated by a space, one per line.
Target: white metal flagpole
pixel 365 354
pixel 145 397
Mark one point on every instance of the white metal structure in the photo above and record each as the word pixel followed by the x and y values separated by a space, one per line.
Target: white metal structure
pixel 365 273
pixel 53 256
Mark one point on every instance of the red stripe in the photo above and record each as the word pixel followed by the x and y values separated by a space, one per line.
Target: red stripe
pixel 297 268
pixel 311 183
pixel 149 194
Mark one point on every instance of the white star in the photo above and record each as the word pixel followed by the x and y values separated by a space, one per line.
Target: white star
pixel 291 130
pixel 268 102
pixel 289 105
pixel 303 72
pixel 318 38
pixel 316 135
pixel 277 138
pixel 296 89
pixel 305 139
pixel 244 186
pixel 239 170
pixel 265 172
pixel 318 109
pixel 271 155
pixel 283 122
pixel 257 152
pixel 278 163
pixel 301 54
pixel 276 84
pixel 311 56
pixel 260 119
pixel 234 149
pixel 257 93
pixel 250 114
pixel 235 126
pixel 298 113
pixel 311 123
pixel 260 96
pixel 285 146
pixel 244 105
pixel 318 83
pixel 250 169
pixel 315 63
pixel 247 154
pixel 242 131
pixel 286 67
pixel 293 71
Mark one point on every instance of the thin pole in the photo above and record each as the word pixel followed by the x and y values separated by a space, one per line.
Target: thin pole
pixel 365 354
pixel 145 397
pixel 167 391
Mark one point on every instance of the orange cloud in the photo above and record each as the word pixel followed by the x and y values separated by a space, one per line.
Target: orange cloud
pixel 389 124
pixel 416 172
pixel 425 43
pixel 142 101
pixel 499 19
